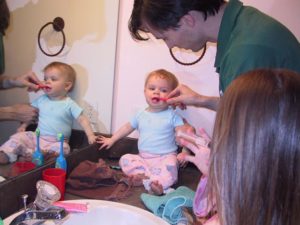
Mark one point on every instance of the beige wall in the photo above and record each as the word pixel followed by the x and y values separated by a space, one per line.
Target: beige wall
pixel 90 29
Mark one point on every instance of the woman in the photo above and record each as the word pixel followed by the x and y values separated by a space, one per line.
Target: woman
pixel 255 160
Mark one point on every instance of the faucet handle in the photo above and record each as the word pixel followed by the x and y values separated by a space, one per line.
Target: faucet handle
pixel 24 198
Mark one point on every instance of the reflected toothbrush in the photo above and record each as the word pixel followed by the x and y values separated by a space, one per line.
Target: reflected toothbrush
pixel 60 160
pixel 37 156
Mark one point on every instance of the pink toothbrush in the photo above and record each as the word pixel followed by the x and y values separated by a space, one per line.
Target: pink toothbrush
pixel 43 86
pixel 163 99
pixel 160 99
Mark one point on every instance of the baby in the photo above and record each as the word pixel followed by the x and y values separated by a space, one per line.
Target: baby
pixel 56 114
pixel 156 164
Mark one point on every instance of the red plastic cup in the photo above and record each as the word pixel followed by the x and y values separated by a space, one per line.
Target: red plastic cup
pixel 57 177
pixel 22 167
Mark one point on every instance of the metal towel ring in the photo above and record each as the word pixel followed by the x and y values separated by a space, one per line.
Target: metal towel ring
pixel 58 25
pixel 189 63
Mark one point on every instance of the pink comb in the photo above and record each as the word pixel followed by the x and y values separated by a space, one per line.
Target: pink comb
pixel 72 207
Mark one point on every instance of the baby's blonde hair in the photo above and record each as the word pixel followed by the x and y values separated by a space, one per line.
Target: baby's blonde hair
pixel 164 74
pixel 65 69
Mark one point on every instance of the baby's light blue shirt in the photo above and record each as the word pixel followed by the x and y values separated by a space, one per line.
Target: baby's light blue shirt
pixel 156 130
pixel 56 116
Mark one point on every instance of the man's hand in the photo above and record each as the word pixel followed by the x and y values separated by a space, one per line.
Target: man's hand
pixel 19 112
pixel 28 80
pixel 183 96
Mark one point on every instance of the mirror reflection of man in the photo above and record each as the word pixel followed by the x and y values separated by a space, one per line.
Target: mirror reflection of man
pixel 17 112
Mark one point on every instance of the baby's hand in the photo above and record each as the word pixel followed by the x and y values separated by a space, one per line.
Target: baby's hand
pixel 105 142
pixel 27 157
pixel 92 139
pixel 21 129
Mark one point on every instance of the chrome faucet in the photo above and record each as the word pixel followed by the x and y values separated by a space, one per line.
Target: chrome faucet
pixel 41 209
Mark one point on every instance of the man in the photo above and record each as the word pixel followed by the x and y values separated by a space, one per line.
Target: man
pixel 246 38
pixel 18 112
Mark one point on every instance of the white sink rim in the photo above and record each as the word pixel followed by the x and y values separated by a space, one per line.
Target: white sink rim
pixel 93 204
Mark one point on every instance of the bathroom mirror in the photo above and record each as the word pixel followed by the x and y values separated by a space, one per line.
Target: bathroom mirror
pixel 91 33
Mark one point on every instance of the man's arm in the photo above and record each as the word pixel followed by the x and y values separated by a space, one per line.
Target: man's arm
pixel 28 79
pixel 186 96
pixel 19 112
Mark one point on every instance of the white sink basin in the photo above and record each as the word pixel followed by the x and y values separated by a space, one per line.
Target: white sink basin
pixel 108 213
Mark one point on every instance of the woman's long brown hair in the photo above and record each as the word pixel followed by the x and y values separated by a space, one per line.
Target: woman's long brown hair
pixel 255 159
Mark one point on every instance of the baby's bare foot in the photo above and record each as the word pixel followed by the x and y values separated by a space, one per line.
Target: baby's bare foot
pixel 156 188
pixel 25 158
pixel 3 158
pixel 49 155
pixel 137 179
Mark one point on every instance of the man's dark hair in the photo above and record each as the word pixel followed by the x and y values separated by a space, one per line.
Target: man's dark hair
pixel 165 14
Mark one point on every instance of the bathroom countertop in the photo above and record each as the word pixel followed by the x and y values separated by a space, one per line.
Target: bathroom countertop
pixel 12 189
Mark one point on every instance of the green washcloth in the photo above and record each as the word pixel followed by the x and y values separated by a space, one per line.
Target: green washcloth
pixel 169 206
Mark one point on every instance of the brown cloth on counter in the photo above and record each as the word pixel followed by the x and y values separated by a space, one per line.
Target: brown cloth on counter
pixel 98 181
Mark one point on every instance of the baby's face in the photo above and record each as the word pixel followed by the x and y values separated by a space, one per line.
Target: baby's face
pixel 157 89
pixel 57 82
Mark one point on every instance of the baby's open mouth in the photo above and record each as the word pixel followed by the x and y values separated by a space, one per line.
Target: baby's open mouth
pixel 155 99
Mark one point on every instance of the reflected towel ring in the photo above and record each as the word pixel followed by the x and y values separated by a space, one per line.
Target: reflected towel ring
pixel 190 63
pixel 58 25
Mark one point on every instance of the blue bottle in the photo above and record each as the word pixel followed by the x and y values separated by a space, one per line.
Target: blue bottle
pixel 61 160
pixel 37 156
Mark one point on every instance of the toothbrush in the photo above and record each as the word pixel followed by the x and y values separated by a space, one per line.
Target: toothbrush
pixel 37 156
pixel 160 99
pixel 197 140
pixel 60 160
pixel 43 86
pixel 163 99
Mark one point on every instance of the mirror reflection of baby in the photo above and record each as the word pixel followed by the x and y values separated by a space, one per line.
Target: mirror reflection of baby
pixel 56 114
pixel 156 165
